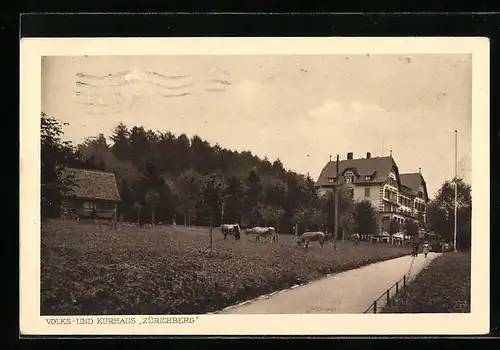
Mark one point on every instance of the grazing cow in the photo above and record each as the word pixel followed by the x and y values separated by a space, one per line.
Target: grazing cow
pixel 355 238
pixel 231 229
pixel 307 237
pixel 260 232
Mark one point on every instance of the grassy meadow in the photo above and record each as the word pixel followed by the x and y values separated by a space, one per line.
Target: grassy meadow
pixel 443 287
pixel 91 270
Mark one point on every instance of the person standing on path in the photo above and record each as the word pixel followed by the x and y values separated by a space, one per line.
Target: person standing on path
pixel 415 246
pixel 425 249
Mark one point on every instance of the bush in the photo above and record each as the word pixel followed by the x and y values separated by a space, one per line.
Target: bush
pixel 444 287
pixel 170 270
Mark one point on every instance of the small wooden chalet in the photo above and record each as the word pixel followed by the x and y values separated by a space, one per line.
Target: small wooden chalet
pixel 94 194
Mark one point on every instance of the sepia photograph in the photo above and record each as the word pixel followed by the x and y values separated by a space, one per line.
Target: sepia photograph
pixel 255 183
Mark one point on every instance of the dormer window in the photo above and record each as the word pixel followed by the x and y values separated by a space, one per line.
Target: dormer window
pixel 368 178
pixel 331 179
pixel 348 179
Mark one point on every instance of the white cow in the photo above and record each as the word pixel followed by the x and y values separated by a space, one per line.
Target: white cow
pixel 260 232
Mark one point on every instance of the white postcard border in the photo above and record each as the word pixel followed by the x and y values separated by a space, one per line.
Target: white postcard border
pixel 31 323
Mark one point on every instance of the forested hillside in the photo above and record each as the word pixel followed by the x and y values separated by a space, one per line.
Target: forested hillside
pixel 167 174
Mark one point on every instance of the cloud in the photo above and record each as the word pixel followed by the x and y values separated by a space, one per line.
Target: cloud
pixel 334 112
pixel 247 92
pixel 327 111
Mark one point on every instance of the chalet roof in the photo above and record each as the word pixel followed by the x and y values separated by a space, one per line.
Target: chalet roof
pixel 377 167
pixel 93 184
pixel 413 182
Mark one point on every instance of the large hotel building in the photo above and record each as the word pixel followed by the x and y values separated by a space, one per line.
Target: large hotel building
pixel 396 196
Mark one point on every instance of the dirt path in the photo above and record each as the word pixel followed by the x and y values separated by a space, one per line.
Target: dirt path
pixel 346 293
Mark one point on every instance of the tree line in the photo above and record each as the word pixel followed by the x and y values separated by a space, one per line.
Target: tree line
pixel 166 178
pixel 441 213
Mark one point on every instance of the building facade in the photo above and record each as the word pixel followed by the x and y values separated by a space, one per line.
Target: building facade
pixel 395 196
pixel 92 192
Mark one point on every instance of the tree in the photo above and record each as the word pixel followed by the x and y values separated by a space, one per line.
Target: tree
pixel 203 155
pixel 56 154
pixel 347 224
pixel 441 212
pixel 152 198
pixel 294 200
pixel 275 196
pixel 156 193
pixel 278 168
pixel 234 200
pixel 393 227
pixel 346 218
pixel 138 206
pixel 127 200
pixel 95 152
pixel 211 192
pixel 365 218
pixel 253 197
pixel 188 186
pixel 411 228
pixel 121 146
pixel 308 203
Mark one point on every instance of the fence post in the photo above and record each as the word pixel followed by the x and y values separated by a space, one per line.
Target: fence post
pixel 375 307
pixel 388 295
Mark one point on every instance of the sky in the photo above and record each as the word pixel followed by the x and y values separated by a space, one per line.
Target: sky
pixel 298 108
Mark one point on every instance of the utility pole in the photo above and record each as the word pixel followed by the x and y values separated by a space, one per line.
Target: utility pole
pixel 222 212
pixel 336 225
pixel 211 231
pixel 456 195
pixel 222 203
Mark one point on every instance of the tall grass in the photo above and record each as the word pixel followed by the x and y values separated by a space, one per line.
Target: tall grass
pixel 171 270
pixel 444 287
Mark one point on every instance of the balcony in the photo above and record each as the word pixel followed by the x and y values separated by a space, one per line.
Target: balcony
pixel 406 215
pixel 393 201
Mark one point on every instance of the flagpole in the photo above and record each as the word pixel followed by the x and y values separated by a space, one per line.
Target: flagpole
pixel 455 226
pixel 336 197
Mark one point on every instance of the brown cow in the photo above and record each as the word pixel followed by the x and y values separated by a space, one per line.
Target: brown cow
pixel 308 237
pixel 232 230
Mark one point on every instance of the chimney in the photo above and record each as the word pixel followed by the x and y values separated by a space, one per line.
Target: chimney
pixel 368 155
pixel 391 152
pixel 349 155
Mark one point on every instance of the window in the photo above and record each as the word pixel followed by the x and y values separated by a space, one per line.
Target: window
pixel 89 205
pixel 348 179
pixel 331 179
pixel 367 192
pixel 392 182
pixel 368 178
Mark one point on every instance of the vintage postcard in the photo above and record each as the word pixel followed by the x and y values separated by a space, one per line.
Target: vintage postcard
pixel 254 186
